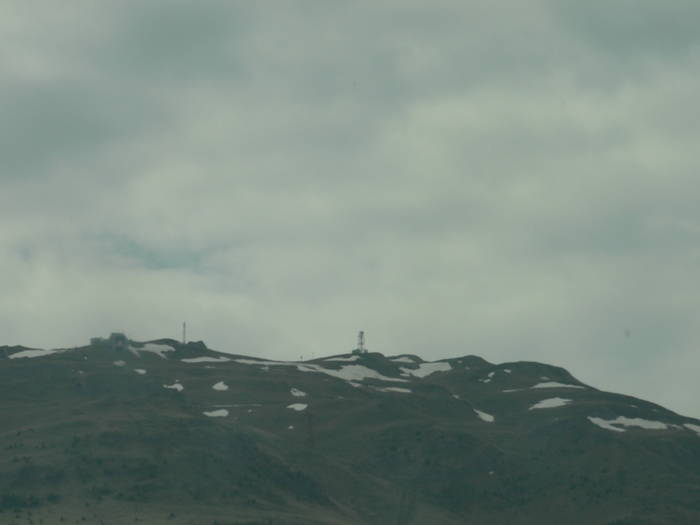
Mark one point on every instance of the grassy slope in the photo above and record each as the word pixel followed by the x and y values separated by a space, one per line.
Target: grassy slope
pixel 83 438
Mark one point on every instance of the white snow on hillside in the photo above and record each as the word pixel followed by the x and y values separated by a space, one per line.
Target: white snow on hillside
pixel 553 402
pixel 347 373
pixel 484 416
pixel 395 389
pixel 222 412
pixel 32 353
pixel 610 424
pixel 554 384
pixel 694 428
pixel 175 386
pixel 119 363
pixel 350 373
pixel 297 393
pixel 140 371
pixel 205 359
pixel 153 348
pixel 402 359
pixel 264 362
pixel 602 423
pixel 425 369
pixel 220 386
pixel 340 358
pixel 298 406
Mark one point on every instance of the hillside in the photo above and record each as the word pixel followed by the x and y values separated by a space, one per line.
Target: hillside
pixel 160 432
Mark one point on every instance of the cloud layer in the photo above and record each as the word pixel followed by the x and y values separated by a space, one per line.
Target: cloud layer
pixel 514 180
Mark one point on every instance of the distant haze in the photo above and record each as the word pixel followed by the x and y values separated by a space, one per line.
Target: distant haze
pixel 516 180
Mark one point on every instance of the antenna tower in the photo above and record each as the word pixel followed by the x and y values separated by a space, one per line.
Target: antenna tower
pixel 360 344
pixel 184 333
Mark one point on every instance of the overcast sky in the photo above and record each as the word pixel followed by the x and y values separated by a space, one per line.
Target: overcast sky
pixel 516 180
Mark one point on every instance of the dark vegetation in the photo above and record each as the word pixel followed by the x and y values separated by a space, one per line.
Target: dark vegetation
pixel 86 441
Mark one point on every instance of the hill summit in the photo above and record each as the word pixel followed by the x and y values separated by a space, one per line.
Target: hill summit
pixel 120 431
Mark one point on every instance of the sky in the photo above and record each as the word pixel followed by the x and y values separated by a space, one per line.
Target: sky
pixel 514 180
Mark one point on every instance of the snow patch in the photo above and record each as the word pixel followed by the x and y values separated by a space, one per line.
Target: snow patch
pixel 507 370
pixel 297 393
pixel 205 359
pixel 350 373
pixel 402 359
pixel 609 424
pixel 554 384
pixel 347 373
pixel 350 358
pixel 602 423
pixel 263 362
pixel 552 402
pixel 395 389
pixel 119 363
pixel 290 427
pixel 426 369
pixel 153 348
pixel 298 406
pixel 222 412
pixel 140 371
pixel 31 353
pixel 175 386
pixel 484 416
pixel 220 386
pixel 694 428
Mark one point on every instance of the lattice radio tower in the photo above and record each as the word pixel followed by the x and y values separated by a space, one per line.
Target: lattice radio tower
pixel 360 344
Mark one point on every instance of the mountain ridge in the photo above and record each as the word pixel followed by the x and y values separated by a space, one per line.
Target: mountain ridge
pixel 175 433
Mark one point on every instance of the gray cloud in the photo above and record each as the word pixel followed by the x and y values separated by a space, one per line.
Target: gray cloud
pixel 634 30
pixel 510 180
